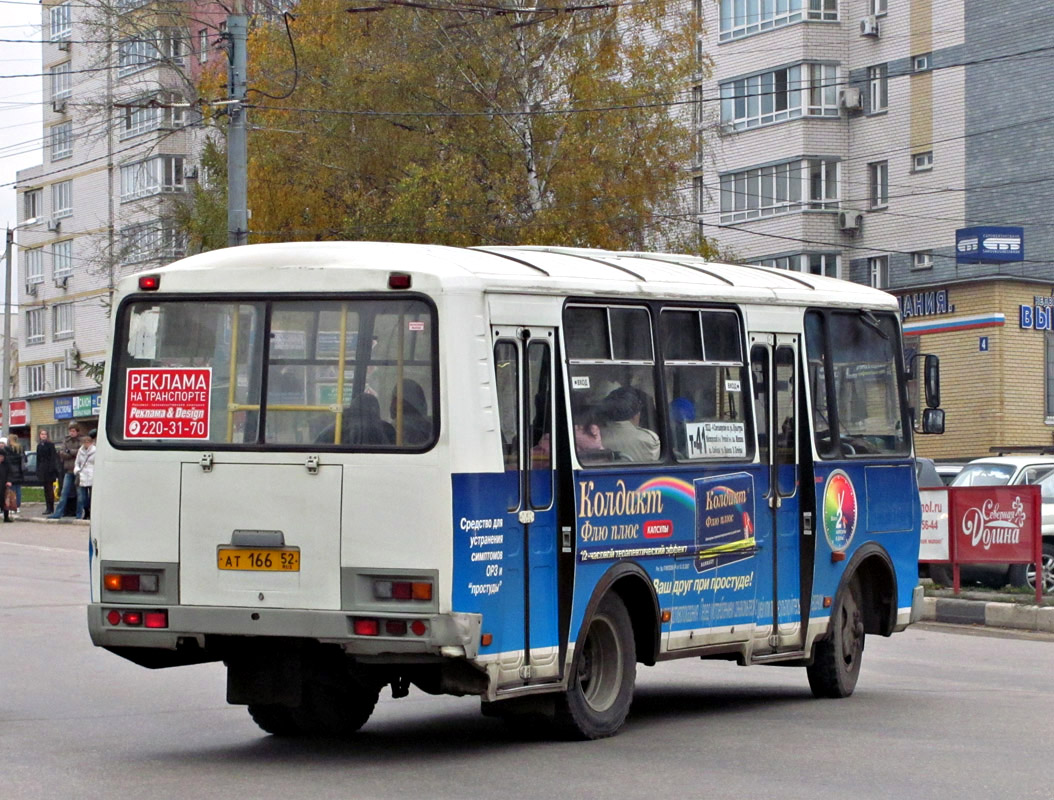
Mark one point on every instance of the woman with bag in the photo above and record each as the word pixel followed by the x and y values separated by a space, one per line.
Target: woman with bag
pixel 15 458
pixel 84 473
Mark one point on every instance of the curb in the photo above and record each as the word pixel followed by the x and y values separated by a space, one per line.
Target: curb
pixel 992 614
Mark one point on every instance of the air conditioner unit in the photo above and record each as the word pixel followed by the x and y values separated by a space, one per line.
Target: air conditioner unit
pixel 850 220
pixel 58 106
pixel 54 225
pixel 851 99
pixel 869 26
pixel 61 281
pixel 72 356
pixel 190 173
pixel 64 44
pixel 31 288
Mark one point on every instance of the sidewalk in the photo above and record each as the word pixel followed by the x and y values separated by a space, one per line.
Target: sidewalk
pixel 992 609
pixel 34 512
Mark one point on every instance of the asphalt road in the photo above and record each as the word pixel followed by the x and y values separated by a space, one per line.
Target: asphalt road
pixel 937 713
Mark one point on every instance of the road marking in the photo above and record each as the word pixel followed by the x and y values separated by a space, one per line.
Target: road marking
pixel 45 548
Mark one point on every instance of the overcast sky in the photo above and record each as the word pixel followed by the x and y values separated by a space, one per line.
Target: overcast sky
pixel 20 98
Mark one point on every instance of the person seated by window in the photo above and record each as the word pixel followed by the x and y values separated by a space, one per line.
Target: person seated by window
pixel 621 429
pixel 416 425
pixel 362 423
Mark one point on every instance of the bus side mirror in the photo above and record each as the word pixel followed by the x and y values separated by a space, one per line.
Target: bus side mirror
pixel 932 374
pixel 933 420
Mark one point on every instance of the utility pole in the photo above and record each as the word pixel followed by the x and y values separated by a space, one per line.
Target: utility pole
pixel 237 151
pixel 6 394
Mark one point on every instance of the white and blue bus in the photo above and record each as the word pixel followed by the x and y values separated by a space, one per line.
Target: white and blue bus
pixel 510 472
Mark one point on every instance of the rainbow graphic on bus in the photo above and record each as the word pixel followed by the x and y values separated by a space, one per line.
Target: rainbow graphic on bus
pixel 724 520
pixel 840 511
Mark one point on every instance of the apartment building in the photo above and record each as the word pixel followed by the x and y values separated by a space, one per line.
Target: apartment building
pixel 902 144
pixel 121 137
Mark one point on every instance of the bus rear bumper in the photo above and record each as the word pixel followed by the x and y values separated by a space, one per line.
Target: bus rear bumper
pixel 445 635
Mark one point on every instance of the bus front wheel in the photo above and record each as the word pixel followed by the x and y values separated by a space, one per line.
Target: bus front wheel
pixel 600 689
pixel 836 659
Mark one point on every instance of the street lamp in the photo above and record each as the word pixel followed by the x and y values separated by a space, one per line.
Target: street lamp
pixel 5 396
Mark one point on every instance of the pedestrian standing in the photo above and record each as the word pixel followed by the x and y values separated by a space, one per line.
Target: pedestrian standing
pixel 68 455
pixel 15 458
pixel 84 471
pixel 48 468
pixel 4 485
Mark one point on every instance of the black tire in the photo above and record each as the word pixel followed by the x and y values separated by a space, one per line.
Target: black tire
pixel 328 709
pixel 1047 561
pixel 277 720
pixel 337 710
pixel 836 659
pixel 600 688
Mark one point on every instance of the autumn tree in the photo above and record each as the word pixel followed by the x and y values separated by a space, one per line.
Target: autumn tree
pixel 469 123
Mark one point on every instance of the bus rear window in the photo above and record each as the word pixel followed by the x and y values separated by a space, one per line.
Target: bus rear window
pixel 349 374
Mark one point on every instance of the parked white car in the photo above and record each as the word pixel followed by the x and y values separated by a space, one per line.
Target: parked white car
pixel 1010 471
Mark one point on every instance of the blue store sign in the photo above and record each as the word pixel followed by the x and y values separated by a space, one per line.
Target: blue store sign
pixel 63 408
pixel 989 243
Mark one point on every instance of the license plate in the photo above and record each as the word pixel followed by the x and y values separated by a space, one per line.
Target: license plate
pixel 261 559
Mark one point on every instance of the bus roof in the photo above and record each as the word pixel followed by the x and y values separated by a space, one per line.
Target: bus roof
pixel 529 269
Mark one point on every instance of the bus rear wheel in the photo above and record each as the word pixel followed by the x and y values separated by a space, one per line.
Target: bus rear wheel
pixel 600 689
pixel 836 659
pixel 328 709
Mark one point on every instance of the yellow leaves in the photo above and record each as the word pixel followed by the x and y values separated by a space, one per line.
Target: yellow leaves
pixel 400 129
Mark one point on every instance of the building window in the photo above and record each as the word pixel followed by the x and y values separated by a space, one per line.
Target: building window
pixel 158 174
pixel 60 22
pixel 920 162
pixel 32 204
pixel 876 7
pixel 923 259
pixel 34 266
pixel 150 113
pixel 61 83
pixel 780 188
pixel 163 46
pixel 921 62
pixel 62 199
pixel 62 321
pixel 878 182
pixel 203 45
pixel 878 270
pixel 62 259
pixel 35 326
pixel 153 241
pixel 877 93
pixel 746 17
pixel 804 89
pixel 36 377
pixel 813 263
pixel 61 141
pixel 63 376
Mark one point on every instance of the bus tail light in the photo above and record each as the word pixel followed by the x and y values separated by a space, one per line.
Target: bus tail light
pixel 399 280
pixel 137 618
pixel 149 283
pixel 366 627
pixel 130 582
pixel 402 590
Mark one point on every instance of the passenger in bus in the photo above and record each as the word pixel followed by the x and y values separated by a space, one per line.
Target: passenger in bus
pixel 621 430
pixel 363 424
pixel 416 425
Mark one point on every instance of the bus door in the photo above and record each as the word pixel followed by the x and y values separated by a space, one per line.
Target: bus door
pixel 773 364
pixel 526 407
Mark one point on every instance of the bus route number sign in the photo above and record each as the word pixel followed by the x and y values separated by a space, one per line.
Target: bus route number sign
pixel 167 403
